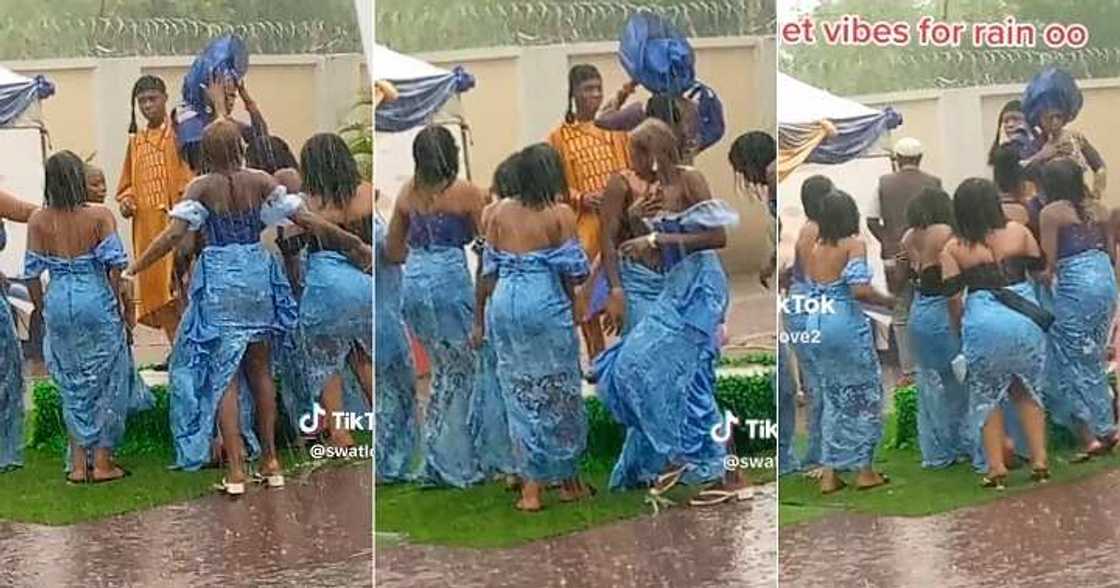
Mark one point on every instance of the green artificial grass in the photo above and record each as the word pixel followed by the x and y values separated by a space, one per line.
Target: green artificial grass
pixel 483 516
pixel 39 493
pixel 914 491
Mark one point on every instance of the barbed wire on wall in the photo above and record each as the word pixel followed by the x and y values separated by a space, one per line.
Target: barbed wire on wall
pixel 123 37
pixel 875 71
pixel 468 25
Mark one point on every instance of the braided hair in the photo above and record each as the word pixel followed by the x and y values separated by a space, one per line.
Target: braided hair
pixel 144 84
pixel 579 74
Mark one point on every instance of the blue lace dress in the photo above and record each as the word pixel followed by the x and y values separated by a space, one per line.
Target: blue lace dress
pixel 11 391
pixel 942 399
pixel 530 324
pixel 396 448
pixel 846 372
pixel 659 380
pixel 488 421
pixel 999 345
pixel 787 413
pixel 438 304
pixel 803 341
pixel 86 344
pixel 1084 297
pixel 238 295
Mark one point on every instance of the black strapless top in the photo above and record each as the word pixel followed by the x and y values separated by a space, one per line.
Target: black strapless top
pixel 994 275
pixel 928 282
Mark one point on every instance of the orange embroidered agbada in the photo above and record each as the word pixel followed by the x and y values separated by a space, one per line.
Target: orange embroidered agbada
pixel 591 156
pixel 154 176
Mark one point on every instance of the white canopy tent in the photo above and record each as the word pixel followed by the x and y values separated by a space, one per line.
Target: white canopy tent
pixel 394 150
pixel 802 103
pixel 23 142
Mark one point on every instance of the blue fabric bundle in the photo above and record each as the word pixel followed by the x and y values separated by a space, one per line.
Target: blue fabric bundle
pixel 225 57
pixel 657 55
pixel 16 97
pixel 1051 89
pixel 853 137
pixel 419 99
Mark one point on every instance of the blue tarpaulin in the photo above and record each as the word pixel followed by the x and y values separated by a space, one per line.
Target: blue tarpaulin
pixel 1051 89
pixel 657 55
pixel 854 136
pixel 419 99
pixel 18 92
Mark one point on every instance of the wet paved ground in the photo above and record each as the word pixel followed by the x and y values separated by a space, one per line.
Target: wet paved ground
pixel 314 532
pixel 1060 535
pixel 733 545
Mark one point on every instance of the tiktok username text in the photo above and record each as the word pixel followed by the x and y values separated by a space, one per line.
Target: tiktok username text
pixel 804 306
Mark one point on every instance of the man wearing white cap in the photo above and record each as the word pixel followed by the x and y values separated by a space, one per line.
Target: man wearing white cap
pixel 887 222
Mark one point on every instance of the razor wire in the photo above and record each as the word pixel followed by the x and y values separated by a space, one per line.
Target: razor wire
pixel 871 70
pixel 125 37
pixel 471 24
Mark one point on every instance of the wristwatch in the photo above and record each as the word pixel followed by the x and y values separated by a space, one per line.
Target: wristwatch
pixel 652 239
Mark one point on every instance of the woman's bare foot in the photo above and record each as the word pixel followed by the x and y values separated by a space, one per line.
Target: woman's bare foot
pixel 79 465
pixel 530 497
pixel 829 481
pixel 109 474
pixel 868 479
pixel 270 466
pixel 815 473
pixel 573 490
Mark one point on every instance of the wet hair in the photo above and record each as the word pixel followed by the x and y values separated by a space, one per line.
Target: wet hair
pixel 65 181
pixel 839 217
pixel 579 74
pixel 540 176
pixel 269 154
pixel 931 207
pixel 144 84
pixel 977 209
pixel 436 157
pixel 664 108
pixel 1007 172
pixel 657 138
pixel 751 153
pixel 1063 179
pixel 506 183
pixel 813 191
pixel 1009 106
pixel 329 169
pixel 221 147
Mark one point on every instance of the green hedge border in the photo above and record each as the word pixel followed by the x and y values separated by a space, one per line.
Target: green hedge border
pixel 149 432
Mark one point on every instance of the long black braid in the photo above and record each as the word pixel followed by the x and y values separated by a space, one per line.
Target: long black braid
pixel 144 84
pixel 579 74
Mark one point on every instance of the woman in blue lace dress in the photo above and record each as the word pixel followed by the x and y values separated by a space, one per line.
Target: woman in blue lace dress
pixel 11 356
pixel 845 368
pixel 1076 242
pixel 659 380
pixel 86 316
pixel 335 317
pixel 240 304
pixel 532 264
pixel 397 428
pixel 802 340
pixel 435 216
pixel 942 398
pixel 1004 348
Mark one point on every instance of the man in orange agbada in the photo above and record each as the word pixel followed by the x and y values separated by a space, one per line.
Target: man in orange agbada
pixel 591 156
pixel 152 181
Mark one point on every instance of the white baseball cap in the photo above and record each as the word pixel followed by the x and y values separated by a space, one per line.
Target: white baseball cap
pixel 908 147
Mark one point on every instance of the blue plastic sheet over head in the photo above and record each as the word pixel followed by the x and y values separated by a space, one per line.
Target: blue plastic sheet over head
pixel 225 58
pixel 657 55
pixel 1051 89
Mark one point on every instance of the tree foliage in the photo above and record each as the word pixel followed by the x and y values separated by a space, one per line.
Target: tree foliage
pixel 865 70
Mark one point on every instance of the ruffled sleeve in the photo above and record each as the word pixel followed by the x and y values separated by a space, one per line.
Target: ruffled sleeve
pixel 34 264
pixel 569 260
pixel 706 215
pixel 192 212
pixel 857 272
pixel 279 207
pixel 111 252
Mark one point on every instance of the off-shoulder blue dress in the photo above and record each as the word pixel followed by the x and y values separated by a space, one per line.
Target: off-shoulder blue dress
pixel 11 391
